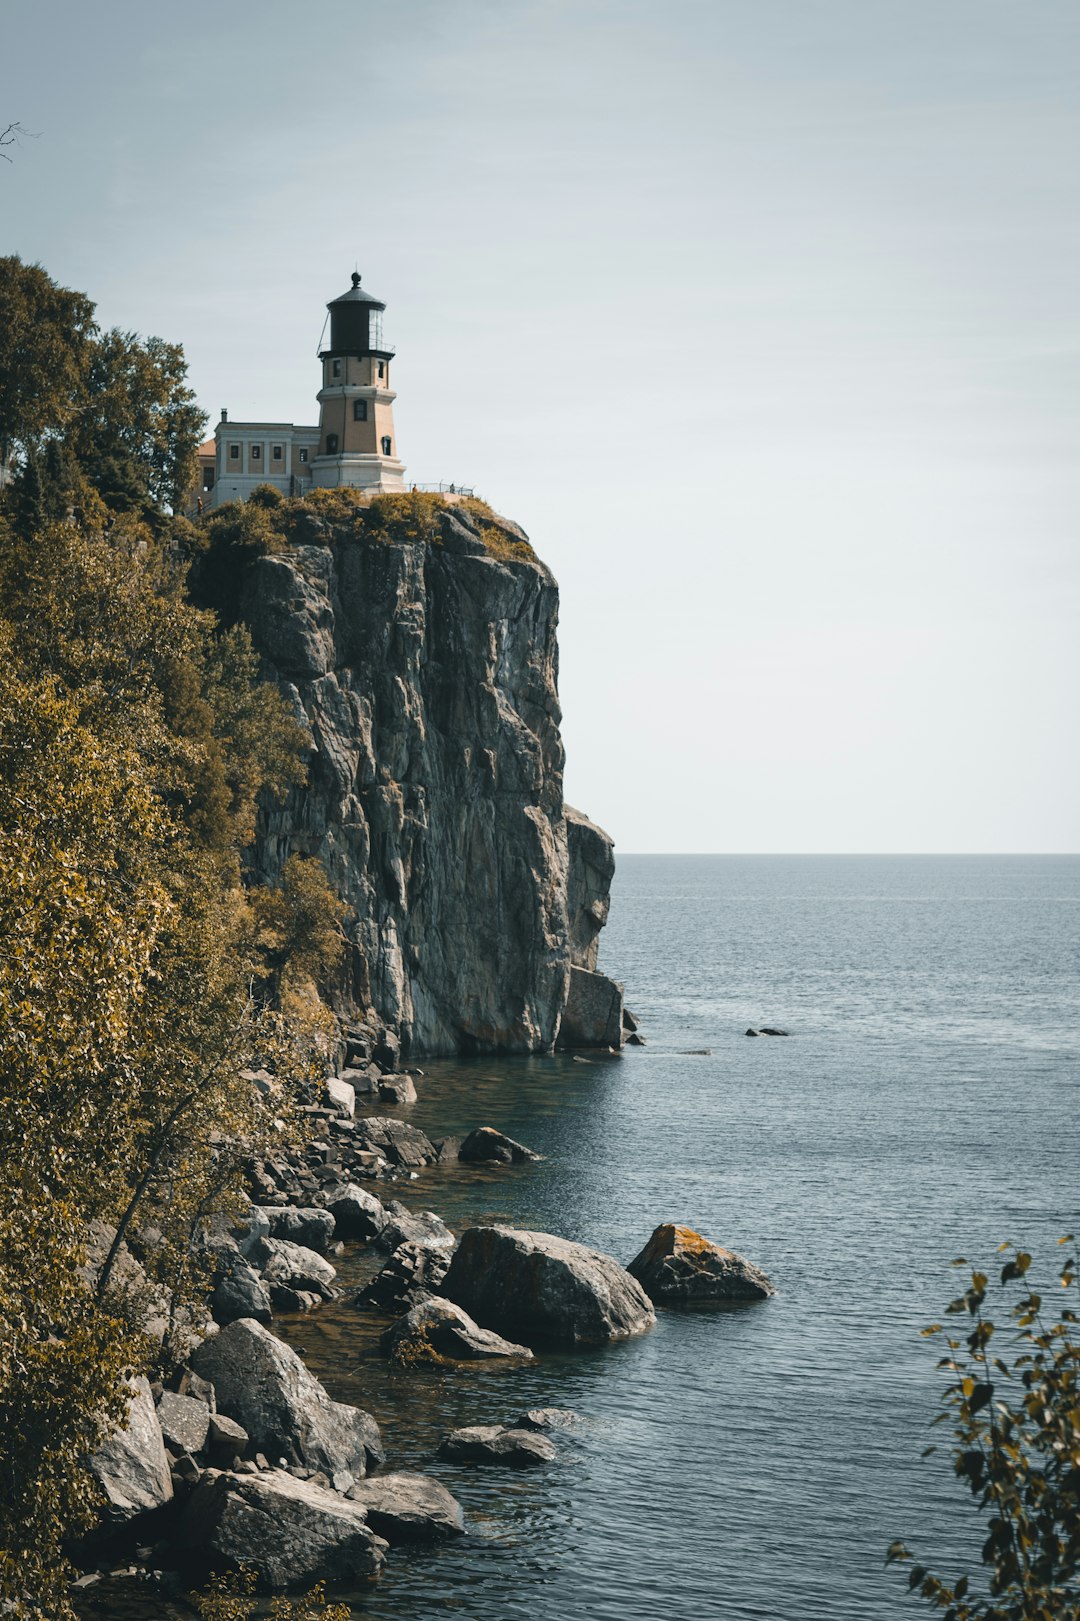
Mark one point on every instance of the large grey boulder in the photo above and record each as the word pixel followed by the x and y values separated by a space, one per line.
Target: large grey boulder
pixel 291 1266
pixel 240 1293
pixel 409 1508
pixel 357 1213
pixel 678 1267
pixel 131 1468
pixel 263 1385
pixel 312 1229
pixel 545 1290
pixel 397 1141
pixel 290 1532
pixel 593 1016
pixel 490 1443
pixel 184 1422
pixel 437 1331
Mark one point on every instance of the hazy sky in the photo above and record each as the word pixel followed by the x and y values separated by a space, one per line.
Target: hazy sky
pixel 760 315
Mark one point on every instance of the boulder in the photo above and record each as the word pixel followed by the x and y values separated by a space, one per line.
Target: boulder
pixel 240 1293
pixel 364 1080
pixel 226 1438
pixel 679 1267
pixel 263 1385
pixel 411 1274
pixel 490 1443
pixel 291 1266
pixel 131 1468
pixel 485 1143
pixel 405 1226
pixel 312 1229
pixel 437 1330
pixel 593 1013
pixel 290 1532
pixel 184 1422
pixel 397 1089
pixel 387 1050
pixel 340 1094
pixel 409 1508
pixel 399 1142
pixel 548 1418
pixel 542 1289
pixel 357 1213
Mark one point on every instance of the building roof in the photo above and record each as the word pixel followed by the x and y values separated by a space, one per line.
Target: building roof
pixel 208 448
pixel 357 295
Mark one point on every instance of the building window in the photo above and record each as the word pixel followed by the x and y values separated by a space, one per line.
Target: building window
pixel 331 444
pixel 256 452
pixel 234 453
pixel 277 453
pixel 386 445
pixel 359 410
pixel 375 330
pixel 303 455
pixel 335 366
pixel 382 368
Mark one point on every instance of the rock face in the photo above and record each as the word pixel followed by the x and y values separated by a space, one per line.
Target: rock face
pixel 679 1267
pixel 131 1468
pixel 545 1290
pixel 437 1330
pixel 290 1532
pixel 592 867
pixel 594 1011
pixel 425 669
pixel 263 1385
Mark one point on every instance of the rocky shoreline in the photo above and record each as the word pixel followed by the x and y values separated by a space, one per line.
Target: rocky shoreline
pixel 239 1457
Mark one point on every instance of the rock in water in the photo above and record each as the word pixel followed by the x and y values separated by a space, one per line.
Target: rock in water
pixel 409 1508
pixel 679 1267
pixel 490 1443
pixel 131 1468
pixel 545 1290
pixel 312 1229
pixel 290 1532
pixel 437 1329
pixel 357 1213
pixel 412 1274
pixel 485 1143
pixel 424 1227
pixel 292 1266
pixel 593 1013
pixel 263 1385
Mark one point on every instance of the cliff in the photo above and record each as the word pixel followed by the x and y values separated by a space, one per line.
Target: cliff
pixel 423 659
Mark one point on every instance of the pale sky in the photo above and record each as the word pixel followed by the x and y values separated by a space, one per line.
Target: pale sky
pixel 761 316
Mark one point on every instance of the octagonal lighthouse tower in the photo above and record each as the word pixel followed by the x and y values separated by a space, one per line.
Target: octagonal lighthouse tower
pixel 357 443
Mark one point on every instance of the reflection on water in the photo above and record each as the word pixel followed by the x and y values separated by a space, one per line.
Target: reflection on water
pixel 752 1463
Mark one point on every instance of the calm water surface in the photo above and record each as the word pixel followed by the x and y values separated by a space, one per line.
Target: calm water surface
pixel 754 1463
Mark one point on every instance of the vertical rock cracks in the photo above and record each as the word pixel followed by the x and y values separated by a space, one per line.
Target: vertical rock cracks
pixel 426 672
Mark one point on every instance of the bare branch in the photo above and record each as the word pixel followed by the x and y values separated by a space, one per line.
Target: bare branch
pixel 12 136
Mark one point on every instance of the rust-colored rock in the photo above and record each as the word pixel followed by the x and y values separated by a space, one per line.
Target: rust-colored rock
pixel 678 1267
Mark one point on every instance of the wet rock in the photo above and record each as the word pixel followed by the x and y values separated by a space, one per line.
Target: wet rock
pixel 679 1267
pixel 184 1422
pixel 437 1330
pixel 412 1274
pixel 485 1143
pixel 291 1266
pixel 397 1089
pixel 290 1532
pixel 357 1213
pixel 593 1013
pixel 405 1226
pixel 548 1418
pixel 769 1030
pixel 409 1508
pixel 313 1229
pixel 131 1468
pixel 264 1386
pixel 541 1289
pixel 490 1443
pixel 240 1293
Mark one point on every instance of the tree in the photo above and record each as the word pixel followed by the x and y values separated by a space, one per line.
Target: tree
pixel 1015 1419
pixel 46 332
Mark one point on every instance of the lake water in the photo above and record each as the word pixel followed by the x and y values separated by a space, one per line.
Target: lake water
pixel 755 1462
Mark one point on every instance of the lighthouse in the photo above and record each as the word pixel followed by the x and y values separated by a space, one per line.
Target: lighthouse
pixel 357 443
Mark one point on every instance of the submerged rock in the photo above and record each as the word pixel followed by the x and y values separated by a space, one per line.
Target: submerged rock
pixel 437 1330
pixel 679 1267
pixel 263 1385
pixel 409 1508
pixel 548 1418
pixel 490 1443
pixel 290 1532
pixel 485 1143
pixel 543 1289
